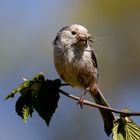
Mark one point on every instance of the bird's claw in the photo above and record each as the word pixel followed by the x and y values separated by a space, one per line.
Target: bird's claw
pixel 80 101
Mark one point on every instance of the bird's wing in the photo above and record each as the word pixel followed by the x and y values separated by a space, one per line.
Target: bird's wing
pixel 94 59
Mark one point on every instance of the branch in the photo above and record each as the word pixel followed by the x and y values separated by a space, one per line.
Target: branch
pixel 86 102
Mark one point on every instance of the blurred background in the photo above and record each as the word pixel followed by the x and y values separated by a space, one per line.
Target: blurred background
pixel 27 29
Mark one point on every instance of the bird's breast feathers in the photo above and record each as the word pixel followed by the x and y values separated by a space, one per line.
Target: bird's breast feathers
pixel 75 67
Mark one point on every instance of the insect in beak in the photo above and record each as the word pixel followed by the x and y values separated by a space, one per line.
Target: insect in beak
pixel 83 39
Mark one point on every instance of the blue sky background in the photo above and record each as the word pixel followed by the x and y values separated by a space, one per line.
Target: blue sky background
pixel 27 29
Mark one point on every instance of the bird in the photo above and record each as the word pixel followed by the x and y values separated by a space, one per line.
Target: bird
pixel 76 63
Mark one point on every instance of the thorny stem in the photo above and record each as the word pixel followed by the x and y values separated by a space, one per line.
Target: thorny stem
pixel 86 102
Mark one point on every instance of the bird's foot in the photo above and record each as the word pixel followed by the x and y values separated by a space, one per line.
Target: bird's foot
pixel 80 101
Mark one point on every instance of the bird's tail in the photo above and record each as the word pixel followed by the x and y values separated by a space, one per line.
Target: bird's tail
pixel 107 115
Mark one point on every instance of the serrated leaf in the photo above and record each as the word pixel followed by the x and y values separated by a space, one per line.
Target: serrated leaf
pixel 23 102
pixel 24 85
pixel 118 130
pixel 45 103
pixel 25 113
pixel 132 130
pixel 125 129
pixel 39 94
pixel 18 89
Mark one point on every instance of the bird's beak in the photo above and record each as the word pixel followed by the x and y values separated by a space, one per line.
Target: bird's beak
pixel 85 38
pixel 82 37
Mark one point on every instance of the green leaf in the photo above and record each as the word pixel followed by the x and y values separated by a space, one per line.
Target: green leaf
pixel 18 89
pixel 45 103
pixel 23 102
pixel 125 129
pixel 24 86
pixel 118 129
pixel 25 112
pixel 132 130
pixel 37 94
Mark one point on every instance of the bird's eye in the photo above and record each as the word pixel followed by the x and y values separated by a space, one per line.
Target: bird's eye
pixel 73 32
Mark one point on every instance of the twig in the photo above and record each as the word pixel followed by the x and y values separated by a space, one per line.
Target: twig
pixel 86 102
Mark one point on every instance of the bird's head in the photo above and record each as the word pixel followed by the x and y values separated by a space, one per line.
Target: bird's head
pixel 75 34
